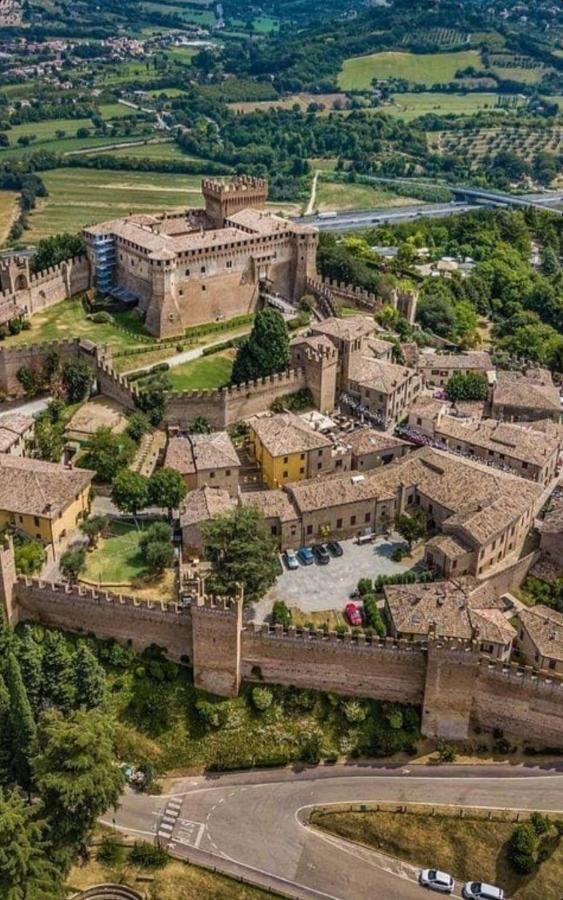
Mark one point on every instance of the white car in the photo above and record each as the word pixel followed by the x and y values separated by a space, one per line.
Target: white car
pixel 478 890
pixel 291 560
pixel 437 880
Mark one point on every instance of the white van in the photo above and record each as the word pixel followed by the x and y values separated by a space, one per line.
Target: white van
pixel 478 890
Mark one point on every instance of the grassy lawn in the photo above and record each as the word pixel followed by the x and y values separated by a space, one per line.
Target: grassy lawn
pixel 79 197
pixel 203 374
pixel 65 145
pixel 520 73
pixel 332 195
pixel 410 105
pixel 161 150
pixel 67 319
pixel 8 208
pixel 469 848
pixel 118 558
pixel 423 68
pixel 47 129
pixel 176 881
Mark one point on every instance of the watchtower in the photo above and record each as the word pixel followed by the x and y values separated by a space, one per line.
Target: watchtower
pixel 223 198
pixel 216 641
pixel 8 578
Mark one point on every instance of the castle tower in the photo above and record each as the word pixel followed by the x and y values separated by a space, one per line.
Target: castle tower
pixel 451 673
pixel 321 374
pixel 223 198
pixel 216 641
pixel 8 578
pixel 14 274
pixel 163 318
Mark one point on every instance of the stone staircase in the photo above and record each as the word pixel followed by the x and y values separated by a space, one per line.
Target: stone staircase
pixel 150 450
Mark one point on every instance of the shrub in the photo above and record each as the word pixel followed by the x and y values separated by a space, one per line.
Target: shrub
pixel 354 711
pixel 281 614
pixel 311 750
pixel 262 698
pixel 158 557
pixel 109 851
pixel 446 752
pixel 539 823
pixel 373 617
pixel 72 562
pixel 210 713
pixel 395 718
pixel 398 554
pixel 148 856
pixel 102 318
pixel 158 531
pixel 365 586
pixel 522 848
pixel 137 426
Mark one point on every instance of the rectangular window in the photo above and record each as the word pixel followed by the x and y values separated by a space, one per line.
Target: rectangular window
pixel 203 287
pixel 187 271
pixel 319 465
pixel 285 474
pixel 309 529
pixel 202 269
pixel 367 517
pixel 212 474
pixel 352 520
pixel 227 472
pixel 36 520
pixel 229 264
pixel 301 470
pixel 339 523
pixel 286 459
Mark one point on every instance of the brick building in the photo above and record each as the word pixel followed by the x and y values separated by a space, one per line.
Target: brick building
pixel 204 459
pixel 436 369
pixel 194 266
pixel 525 396
pixel 540 637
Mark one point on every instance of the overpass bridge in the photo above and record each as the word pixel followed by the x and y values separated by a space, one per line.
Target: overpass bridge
pixel 482 196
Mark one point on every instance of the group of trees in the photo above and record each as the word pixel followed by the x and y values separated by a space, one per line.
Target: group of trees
pixel 56 749
pixel 68 379
pixel 267 349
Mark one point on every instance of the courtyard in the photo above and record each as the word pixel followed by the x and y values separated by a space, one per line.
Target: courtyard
pixel 315 588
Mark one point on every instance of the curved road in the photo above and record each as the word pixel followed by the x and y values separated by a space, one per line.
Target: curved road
pixel 254 823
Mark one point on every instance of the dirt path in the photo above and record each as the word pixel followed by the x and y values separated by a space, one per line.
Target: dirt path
pixel 311 205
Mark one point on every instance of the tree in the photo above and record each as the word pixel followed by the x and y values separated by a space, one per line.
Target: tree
pixel 29 555
pixel 281 614
pixel 411 528
pixel 53 250
pixel 267 349
pixel 93 527
pixel 242 551
pixel 158 532
pixel 354 711
pixel 130 491
pixel 75 773
pixel 58 672
pixel 107 453
pixel 77 378
pixel 72 562
pixel 199 425
pixel 167 488
pixel 26 872
pixel 373 616
pixel 49 441
pixel 436 313
pixel 137 426
pixel 23 733
pixel 158 557
pixel 522 848
pixel 470 386
pixel 89 679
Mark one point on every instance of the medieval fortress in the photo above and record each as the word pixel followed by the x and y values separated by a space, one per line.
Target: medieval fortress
pixel 193 266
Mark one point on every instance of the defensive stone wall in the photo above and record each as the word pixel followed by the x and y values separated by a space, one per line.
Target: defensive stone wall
pixel 33 292
pixel 404 301
pixel 113 385
pixel 80 609
pixel 228 405
pixel 386 670
pixel 32 356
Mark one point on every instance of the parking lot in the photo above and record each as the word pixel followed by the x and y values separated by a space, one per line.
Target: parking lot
pixel 314 588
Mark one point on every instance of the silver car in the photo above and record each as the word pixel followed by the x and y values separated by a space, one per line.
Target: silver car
pixel 437 880
pixel 478 890
pixel 291 560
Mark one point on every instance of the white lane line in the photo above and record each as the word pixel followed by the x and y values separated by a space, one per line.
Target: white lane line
pixel 124 829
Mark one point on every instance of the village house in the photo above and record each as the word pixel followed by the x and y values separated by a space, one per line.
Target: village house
pixel 199 507
pixel 42 499
pixel 371 448
pixel 461 609
pixel 384 389
pixel 204 459
pixel 520 448
pixel 551 541
pixel 436 369
pixel 287 450
pixel 16 434
pixel 524 397
pixel 540 637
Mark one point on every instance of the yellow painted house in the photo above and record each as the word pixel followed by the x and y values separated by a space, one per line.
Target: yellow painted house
pixel 287 450
pixel 45 500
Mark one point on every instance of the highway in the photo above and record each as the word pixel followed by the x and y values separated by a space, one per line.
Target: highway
pixel 349 221
pixel 253 825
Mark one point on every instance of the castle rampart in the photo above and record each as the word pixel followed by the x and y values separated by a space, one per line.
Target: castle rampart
pixel 32 292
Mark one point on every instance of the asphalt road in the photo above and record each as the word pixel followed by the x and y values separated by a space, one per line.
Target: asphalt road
pixel 253 824
pixel 347 221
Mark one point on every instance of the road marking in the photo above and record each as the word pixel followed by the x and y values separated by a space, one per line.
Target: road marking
pixel 124 829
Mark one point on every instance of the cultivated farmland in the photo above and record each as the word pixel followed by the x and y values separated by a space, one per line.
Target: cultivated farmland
pixel 420 68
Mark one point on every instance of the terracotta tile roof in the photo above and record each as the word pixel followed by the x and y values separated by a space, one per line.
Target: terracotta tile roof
pixel 473 359
pixel 204 503
pixel 379 346
pixel 259 221
pixel 519 441
pixel 273 504
pixel 16 423
pixel 532 390
pixel 336 490
pixel 368 440
pixel 347 328
pixel 445 606
pixel 286 433
pixel 547 569
pixel 545 629
pixel 39 488
pixel 378 374
pixel 200 452
pixel 427 407
pixel 451 546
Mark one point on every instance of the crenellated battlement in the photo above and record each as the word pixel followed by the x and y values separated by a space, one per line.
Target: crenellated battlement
pixel 335 639
pixel 235 391
pixel 32 280
pixel 522 675
pixel 220 186
pixel 41 347
pixel 74 593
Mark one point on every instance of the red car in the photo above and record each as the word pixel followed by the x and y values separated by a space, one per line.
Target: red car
pixel 353 614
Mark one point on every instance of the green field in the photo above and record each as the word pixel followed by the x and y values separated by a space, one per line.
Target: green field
pixel 118 558
pixel 422 68
pixel 519 73
pixel 68 320
pixel 342 196
pixel 168 92
pixel 79 197
pixel 47 129
pixel 197 16
pixel 411 105
pixel 66 145
pixel 8 202
pixel 161 150
pixel 203 374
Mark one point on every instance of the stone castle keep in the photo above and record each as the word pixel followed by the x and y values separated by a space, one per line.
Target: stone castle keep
pixel 192 266
pixel 455 686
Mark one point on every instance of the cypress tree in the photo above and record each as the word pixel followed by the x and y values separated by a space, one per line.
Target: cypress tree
pixel 267 349
pixel 89 678
pixel 22 728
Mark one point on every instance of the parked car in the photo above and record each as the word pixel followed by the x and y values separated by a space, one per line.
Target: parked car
pixel 321 554
pixel 290 558
pixel 353 614
pixel 335 548
pixel 478 890
pixel 305 556
pixel 437 880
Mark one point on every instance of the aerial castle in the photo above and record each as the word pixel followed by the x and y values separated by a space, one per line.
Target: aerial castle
pixel 191 266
